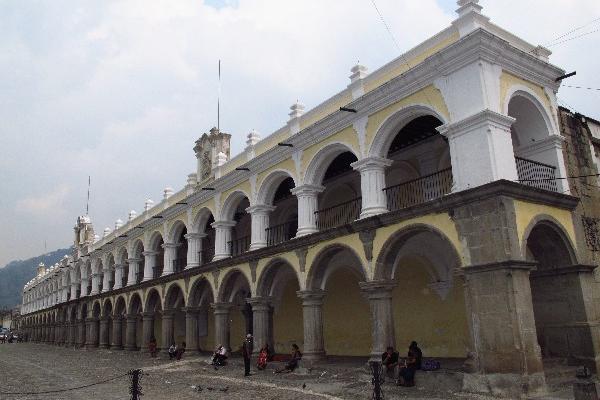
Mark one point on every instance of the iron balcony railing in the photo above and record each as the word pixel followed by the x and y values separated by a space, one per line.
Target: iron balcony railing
pixel 206 255
pixel 340 214
pixel 536 174
pixel 138 277
pixel 239 246
pixel 280 233
pixel 419 190
pixel 179 264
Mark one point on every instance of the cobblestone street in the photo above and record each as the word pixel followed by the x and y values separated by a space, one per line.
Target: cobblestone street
pixel 35 368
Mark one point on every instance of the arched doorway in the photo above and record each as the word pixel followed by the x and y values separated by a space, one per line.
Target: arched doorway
pixel 337 272
pixel 173 324
pixel 133 336
pixel 106 325
pixel 420 170
pixel 279 284
pixel 538 152
pixel 201 329
pixel 561 295
pixel 233 314
pixel 153 320
pixel 428 299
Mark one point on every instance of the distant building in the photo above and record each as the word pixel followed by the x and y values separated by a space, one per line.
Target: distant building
pixel 439 198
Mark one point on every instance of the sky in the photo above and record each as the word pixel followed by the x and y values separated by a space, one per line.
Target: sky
pixel 120 90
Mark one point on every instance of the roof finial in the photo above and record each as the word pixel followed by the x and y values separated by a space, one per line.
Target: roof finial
pixel 467 6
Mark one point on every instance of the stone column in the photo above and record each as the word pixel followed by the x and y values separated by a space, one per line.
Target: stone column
pixel 169 257
pixel 104 341
pixel 95 284
pixel 52 334
pixel 194 241
pixel 260 222
pixel 222 239
pixel 221 313
pixel 106 280
pixel 119 268
pixel 74 290
pixel 81 332
pixel 148 329
pixel 502 324
pixel 73 328
pixel 131 334
pixel 167 329
pixel 379 294
pixel 83 287
pixel 149 264
pixel 372 183
pixel 308 204
pixel 489 133
pixel 134 267
pixel 117 331
pixel 261 322
pixel 191 328
pixel 91 338
pixel 312 311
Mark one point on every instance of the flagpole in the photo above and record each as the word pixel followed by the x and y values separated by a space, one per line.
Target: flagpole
pixel 219 100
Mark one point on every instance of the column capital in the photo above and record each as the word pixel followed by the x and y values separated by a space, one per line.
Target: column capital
pixel 311 297
pixel 131 317
pixel 134 260
pixel 259 303
pixel 170 313
pixel 194 235
pixel 307 190
pixel 260 209
pixel 191 310
pixel 148 314
pixel 221 308
pixel 150 253
pixel 371 163
pixel 223 224
pixel 475 121
pixel 170 245
pixel 380 289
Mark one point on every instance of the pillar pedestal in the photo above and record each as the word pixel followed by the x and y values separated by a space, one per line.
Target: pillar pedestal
pixel 147 330
pixel 117 333
pixel 130 335
pixel 221 313
pixel 261 322
pixel 312 312
pixel 307 205
pixel 104 340
pixel 191 328
pixel 379 294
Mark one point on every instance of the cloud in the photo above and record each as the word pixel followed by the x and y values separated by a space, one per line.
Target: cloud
pixel 120 90
pixel 44 204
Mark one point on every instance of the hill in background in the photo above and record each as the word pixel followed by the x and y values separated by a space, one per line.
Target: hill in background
pixel 17 273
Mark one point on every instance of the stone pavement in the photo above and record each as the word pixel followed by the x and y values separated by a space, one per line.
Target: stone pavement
pixel 27 367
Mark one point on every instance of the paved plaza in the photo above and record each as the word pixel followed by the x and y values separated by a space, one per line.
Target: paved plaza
pixel 28 367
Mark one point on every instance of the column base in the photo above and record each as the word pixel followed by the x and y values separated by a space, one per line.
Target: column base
pixel 192 265
pixel 372 211
pixel 165 273
pixel 117 286
pixel 306 231
pixel 130 348
pixel 256 246
pixel 218 257
pixel 116 347
pixel 315 356
pixel 104 346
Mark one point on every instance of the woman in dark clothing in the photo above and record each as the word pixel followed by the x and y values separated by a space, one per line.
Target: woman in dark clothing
pixel 293 363
pixel 407 372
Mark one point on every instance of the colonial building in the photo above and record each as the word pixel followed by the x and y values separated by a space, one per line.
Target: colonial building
pixel 424 201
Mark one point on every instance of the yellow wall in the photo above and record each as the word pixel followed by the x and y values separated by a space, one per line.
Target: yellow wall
pixel 526 212
pixel 439 326
pixel 346 317
pixel 237 329
pixel 508 80
pixel 288 326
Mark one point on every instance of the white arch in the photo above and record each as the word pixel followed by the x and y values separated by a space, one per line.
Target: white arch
pixel 176 230
pixel 201 219
pixel 269 185
pixel 387 130
pixel 315 172
pixel 527 93
pixel 231 203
